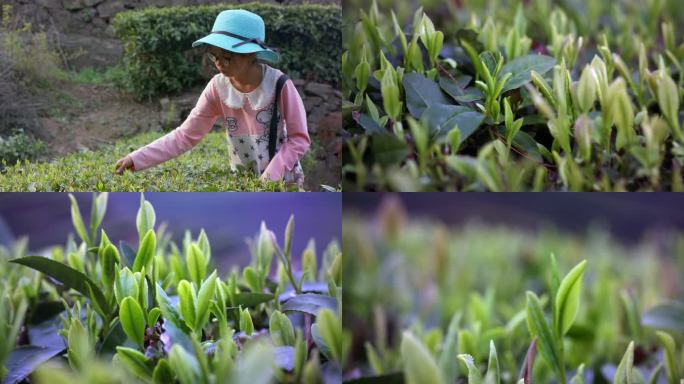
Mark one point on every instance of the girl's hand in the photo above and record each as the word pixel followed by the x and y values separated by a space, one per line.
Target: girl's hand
pixel 124 164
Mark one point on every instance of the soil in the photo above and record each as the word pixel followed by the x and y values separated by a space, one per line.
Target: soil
pixel 98 114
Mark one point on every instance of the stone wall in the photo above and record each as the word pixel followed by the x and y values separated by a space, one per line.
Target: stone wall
pixel 81 28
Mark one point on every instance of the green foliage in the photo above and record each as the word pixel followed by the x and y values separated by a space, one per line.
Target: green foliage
pixel 202 169
pixel 97 76
pixel 435 123
pixel 117 332
pixel 34 63
pixel 157 43
pixel 18 147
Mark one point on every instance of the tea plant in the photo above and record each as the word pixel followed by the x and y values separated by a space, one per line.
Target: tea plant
pixel 106 313
pixel 531 98
pixel 204 168
pixel 482 304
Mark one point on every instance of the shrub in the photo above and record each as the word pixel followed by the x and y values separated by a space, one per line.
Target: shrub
pixel 428 303
pixel 29 71
pixel 517 100
pixel 160 313
pixel 203 169
pixel 18 147
pixel 158 58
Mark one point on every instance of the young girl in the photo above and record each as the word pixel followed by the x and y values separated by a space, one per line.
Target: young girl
pixel 243 95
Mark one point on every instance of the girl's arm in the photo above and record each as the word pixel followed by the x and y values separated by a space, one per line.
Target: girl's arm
pixel 297 142
pixel 183 138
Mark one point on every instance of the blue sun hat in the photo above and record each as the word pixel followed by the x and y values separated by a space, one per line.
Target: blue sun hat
pixel 240 31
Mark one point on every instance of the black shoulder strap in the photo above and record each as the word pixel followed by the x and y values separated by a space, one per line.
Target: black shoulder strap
pixel 273 132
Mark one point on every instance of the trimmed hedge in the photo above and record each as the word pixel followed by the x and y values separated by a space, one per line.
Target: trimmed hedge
pixel 204 168
pixel 158 57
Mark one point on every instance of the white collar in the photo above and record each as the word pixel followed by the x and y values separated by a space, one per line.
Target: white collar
pixel 259 98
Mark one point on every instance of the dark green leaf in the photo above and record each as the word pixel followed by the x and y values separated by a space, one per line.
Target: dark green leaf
pixel 540 329
pixel 309 303
pixel 665 316
pixel 421 92
pixel 25 359
pixel 68 276
pixel 521 67
pixel 128 253
pixel 443 118
pixel 389 149
pixel 369 125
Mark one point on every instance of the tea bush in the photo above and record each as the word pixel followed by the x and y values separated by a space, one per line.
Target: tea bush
pixel 204 168
pixel 157 43
pixel 19 146
pixel 427 304
pixel 99 312
pixel 511 97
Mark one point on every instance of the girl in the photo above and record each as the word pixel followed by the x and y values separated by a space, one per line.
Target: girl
pixel 244 96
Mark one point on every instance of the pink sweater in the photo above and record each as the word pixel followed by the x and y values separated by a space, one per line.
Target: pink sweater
pixel 246 117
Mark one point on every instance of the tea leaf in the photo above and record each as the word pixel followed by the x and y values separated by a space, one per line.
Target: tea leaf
pixel 421 93
pixel 310 303
pixel 132 320
pixel 586 88
pixel 197 264
pixel 330 329
pixel 110 257
pixel 79 349
pixel 520 69
pixel 449 353
pixel 203 244
pixel 146 252
pixel 474 375
pixel 162 373
pixel 539 328
pixel 134 361
pixel 184 364
pixel 187 295
pixel 98 211
pixel 205 295
pixel 281 329
pixel 153 316
pixel 145 218
pixel 671 368
pixel 77 220
pixel 169 312
pixel 568 298
pixel 626 373
pixel 419 365
pixel 246 324
pixel 443 118
pixel 23 360
pixel 493 370
pixel 389 149
pixel 668 316
pixel 69 277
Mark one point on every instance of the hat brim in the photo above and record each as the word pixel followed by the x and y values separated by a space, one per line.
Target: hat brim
pixel 227 43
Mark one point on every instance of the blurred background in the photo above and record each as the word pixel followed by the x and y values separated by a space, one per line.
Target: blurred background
pixel 227 218
pixel 627 217
pixel 421 260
